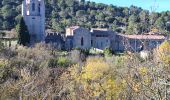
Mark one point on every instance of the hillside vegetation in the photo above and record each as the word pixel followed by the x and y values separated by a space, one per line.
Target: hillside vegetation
pixel 65 13
pixel 42 73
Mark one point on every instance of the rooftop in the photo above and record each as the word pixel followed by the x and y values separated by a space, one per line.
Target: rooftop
pixel 153 37
pixel 103 32
pixel 73 27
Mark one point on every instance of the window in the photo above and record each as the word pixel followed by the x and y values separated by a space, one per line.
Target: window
pixel 82 41
pixel 92 42
pixel 33 6
pixel 39 8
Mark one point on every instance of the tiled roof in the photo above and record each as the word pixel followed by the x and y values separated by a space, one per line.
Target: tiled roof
pixel 74 27
pixel 100 32
pixel 144 36
pixel 104 32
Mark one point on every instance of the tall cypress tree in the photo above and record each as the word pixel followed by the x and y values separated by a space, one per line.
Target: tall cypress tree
pixel 23 33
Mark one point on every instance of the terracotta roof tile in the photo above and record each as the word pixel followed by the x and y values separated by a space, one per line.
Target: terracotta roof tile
pixel 144 36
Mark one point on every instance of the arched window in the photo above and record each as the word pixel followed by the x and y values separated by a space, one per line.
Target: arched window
pixel 39 7
pixel 82 41
pixel 33 6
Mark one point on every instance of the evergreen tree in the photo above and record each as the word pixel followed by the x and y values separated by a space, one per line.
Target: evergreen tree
pixel 23 34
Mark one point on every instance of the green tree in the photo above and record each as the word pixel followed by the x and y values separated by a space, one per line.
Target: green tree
pixel 23 33
pixel 80 13
pixel 160 23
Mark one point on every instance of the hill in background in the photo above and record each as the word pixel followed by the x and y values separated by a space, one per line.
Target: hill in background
pixel 65 13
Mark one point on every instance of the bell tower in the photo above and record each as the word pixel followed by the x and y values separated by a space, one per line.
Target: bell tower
pixel 33 12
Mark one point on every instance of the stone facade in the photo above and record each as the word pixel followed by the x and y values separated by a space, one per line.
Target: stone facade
pixel 55 40
pixel 101 38
pixel 33 12
pixel 137 43
pixel 77 37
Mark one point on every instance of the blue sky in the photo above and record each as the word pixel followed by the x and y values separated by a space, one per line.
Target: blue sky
pixel 161 5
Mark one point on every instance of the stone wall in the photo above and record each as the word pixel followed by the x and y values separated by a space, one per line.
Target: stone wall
pixel 82 38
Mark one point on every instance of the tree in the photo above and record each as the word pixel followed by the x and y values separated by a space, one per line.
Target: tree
pixel 160 24
pixel 23 33
pixel 96 79
pixel 164 52
pixel 6 25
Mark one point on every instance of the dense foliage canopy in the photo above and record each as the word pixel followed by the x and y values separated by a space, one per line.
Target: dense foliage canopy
pixel 65 13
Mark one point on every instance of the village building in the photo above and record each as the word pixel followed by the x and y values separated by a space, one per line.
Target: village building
pixel 102 38
pixel 78 37
pixel 138 43
pixel 8 38
pixel 33 12
pixel 54 39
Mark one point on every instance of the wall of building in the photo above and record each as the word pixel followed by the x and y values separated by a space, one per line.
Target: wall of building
pixel 118 43
pixel 100 42
pixel 82 38
pixel 101 39
pixel 137 45
pixel 34 19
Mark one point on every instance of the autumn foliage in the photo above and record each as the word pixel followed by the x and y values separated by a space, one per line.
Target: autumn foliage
pixel 42 73
pixel 164 52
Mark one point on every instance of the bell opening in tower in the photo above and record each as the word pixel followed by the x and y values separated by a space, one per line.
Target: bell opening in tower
pixel 33 6
pixel 39 8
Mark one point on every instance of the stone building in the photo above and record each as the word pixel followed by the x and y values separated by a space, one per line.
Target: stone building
pixel 56 40
pixel 101 38
pixel 33 12
pixel 136 43
pixel 78 37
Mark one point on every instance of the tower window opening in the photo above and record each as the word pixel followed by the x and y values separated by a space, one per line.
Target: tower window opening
pixel 39 8
pixel 82 41
pixel 33 6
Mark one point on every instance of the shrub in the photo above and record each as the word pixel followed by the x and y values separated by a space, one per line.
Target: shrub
pixel 63 62
pixel 107 52
pixel 164 52
pixel 52 62
pixel 75 56
pixel 95 79
pixel 5 71
pixel 86 52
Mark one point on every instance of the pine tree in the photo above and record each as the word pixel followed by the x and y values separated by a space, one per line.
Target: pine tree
pixel 23 33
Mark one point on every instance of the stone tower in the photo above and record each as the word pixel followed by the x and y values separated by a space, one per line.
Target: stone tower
pixel 33 12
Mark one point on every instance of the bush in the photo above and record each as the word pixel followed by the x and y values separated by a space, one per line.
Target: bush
pixel 52 62
pixel 5 71
pixel 108 52
pixel 164 52
pixel 59 62
pixel 75 56
pixel 63 62
pixel 86 52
